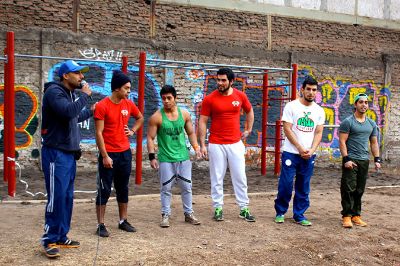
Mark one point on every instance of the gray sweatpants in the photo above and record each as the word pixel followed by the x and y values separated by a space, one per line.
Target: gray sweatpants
pixel 171 173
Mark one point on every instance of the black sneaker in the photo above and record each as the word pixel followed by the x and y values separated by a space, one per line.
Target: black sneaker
pixel 68 244
pixel 126 227
pixel 51 251
pixel 102 231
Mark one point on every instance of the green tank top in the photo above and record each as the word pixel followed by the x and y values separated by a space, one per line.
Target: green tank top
pixel 171 139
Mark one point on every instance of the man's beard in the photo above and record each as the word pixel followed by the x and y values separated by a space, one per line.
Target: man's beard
pixel 223 90
pixel 308 100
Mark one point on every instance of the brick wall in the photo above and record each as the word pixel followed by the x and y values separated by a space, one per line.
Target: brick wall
pixel 22 14
pixel 333 52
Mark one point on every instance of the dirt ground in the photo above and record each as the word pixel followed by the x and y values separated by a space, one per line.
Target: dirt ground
pixel 231 242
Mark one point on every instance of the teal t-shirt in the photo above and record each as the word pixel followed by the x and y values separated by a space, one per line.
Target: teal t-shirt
pixel 359 135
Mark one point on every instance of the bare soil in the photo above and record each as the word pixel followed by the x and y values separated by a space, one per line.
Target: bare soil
pixel 231 242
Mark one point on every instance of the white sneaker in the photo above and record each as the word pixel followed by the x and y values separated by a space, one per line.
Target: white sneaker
pixel 164 221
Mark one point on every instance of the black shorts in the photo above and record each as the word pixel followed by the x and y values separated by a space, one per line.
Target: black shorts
pixel 120 173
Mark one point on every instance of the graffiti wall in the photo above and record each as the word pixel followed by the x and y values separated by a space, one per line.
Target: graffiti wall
pixel 254 92
pixel 336 96
pixel 26 120
pixel 99 79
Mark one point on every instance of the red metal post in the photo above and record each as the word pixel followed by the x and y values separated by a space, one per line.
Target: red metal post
pixel 264 125
pixel 294 82
pixel 9 117
pixel 5 146
pixel 278 132
pixel 125 64
pixel 139 137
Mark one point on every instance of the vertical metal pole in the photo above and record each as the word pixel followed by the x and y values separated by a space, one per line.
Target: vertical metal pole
pixel 264 125
pixel 278 132
pixel 9 117
pixel 5 145
pixel 125 64
pixel 139 137
pixel 294 82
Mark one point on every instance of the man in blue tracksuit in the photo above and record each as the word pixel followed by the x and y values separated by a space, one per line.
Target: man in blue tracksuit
pixel 61 113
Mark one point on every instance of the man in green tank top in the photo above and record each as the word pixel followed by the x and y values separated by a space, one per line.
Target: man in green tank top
pixel 169 125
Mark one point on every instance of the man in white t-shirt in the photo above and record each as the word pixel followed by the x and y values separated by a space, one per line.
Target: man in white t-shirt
pixel 303 122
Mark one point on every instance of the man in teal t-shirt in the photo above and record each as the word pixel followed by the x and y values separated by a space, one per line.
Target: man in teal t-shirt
pixel 354 134
pixel 169 124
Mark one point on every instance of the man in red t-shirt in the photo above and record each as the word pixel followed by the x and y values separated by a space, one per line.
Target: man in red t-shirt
pixel 115 159
pixel 225 146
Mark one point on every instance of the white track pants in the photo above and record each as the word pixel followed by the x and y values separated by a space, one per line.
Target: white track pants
pixel 221 156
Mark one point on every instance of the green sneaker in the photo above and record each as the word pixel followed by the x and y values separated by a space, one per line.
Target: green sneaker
pixel 218 214
pixel 280 219
pixel 305 222
pixel 245 214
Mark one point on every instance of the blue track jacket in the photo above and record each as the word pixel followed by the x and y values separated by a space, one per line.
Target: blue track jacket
pixel 61 114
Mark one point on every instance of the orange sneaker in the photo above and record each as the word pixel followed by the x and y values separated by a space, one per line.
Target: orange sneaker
pixel 357 221
pixel 346 222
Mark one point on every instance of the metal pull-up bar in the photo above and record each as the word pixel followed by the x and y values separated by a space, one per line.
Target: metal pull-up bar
pixel 9 109
pixel 244 69
pixel 278 124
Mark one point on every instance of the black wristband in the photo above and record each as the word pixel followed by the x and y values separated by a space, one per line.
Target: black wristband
pixel 346 159
pixel 152 156
pixel 377 159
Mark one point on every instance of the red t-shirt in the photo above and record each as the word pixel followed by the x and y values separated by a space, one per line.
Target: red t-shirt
pixel 224 112
pixel 115 117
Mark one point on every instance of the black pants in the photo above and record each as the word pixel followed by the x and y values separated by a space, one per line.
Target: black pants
pixel 120 173
pixel 352 187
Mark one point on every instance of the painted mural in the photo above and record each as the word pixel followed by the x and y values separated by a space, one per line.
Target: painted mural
pixel 336 96
pixel 26 120
pixel 99 79
pixel 206 83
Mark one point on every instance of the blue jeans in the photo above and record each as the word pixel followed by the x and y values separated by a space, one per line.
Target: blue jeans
pixel 59 170
pixel 293 165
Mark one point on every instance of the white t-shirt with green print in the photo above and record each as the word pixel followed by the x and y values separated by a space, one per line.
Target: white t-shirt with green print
pixel 304 120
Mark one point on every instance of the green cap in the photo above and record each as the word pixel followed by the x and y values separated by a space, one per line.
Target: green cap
pixel 359 96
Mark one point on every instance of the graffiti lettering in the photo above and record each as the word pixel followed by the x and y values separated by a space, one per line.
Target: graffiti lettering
pixel 96 54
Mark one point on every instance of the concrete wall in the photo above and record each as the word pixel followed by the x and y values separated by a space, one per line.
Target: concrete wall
pixel 345 59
